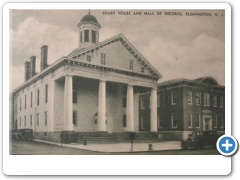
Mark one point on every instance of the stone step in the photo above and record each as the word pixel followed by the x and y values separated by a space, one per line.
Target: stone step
pixel 104 137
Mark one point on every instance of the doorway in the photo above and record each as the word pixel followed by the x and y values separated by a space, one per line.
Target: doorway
pixel 207 124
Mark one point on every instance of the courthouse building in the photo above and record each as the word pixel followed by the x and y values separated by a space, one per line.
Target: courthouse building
pixel 108 88
pixel 93 89
pixel 185 106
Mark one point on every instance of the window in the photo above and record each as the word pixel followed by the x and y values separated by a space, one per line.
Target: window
pixel 198 98
pixel 75 97
pixel 189 97
pixel 38 94
pixel 45 118
pixel 143 102
pixel 221 102
pixel 25 121
pixel 206 99
pixel 25 101
pixel 20 104
pixel 158 100
pixel 30 120
pixel 162 99
pixel 124 121
pixel 31 99
pixel 221 121
pixel 89 58
pixel 215 101
pixel 94 36
pixel 142 123
pixel 215 121
pixel 103 58
pixel 174 97
pixel 160 122
pixel 124 101
pixel 190 120
pixel 46 93
pixel 16 124
pixel 86 36
pixel 142 69
pixel 74 118
pixel 131 65
pixel 20 122
pixel 174 120
pixel 38 119
pixel 81 36
pixel 198 121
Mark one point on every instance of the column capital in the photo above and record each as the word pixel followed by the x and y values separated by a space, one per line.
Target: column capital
pixel 130 84
pixel 103 80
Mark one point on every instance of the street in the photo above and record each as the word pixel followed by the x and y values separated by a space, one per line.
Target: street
pixel 39 148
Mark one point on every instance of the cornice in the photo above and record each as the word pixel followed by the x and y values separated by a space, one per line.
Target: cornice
pixel 189 83
pixel 72 62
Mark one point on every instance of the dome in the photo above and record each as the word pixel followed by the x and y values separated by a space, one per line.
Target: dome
pixel 89 19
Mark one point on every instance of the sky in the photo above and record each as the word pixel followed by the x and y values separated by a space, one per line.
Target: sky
pixel 180 46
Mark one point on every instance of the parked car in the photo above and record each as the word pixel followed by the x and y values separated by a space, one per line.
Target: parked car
pixel 22 134
pixel 200 139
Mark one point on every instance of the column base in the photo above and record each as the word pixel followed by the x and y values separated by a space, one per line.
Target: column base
pixel 101 131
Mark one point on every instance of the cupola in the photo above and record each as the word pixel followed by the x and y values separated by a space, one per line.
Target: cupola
pixel 88 31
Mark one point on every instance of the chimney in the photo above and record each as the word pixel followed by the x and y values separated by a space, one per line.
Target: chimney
pixel 27 66
pixel 44 53
pixel 32 69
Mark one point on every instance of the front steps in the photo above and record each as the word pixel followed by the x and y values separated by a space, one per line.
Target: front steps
pixel 104 137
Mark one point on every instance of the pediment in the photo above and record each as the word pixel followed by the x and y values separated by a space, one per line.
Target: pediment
pixel 206 111
pixel 121 51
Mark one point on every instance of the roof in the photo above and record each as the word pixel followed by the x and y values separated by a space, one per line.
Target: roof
pixel 203 80
pixel 89 19
pixel 208 80
pixel 129 46
pixel 79 51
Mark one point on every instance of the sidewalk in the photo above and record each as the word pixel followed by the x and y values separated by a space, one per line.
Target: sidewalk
pixel 121 147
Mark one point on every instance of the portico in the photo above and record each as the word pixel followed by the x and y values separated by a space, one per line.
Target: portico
pixel 106 109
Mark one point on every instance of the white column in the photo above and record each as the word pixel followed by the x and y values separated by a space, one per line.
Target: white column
pixel 130 112
pixel 90 35
pixel 153 113
pixel 102 106
pixel 83 35
pixel 68 110
pixel 97 36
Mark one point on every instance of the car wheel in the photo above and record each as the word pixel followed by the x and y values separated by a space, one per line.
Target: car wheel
pixel 184 147
pixel 27 135
pixel 202 147
pixel 214 146
pixel 197 146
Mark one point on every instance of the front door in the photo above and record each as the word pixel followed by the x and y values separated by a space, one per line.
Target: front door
pixel 144 123
pixel 207 124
